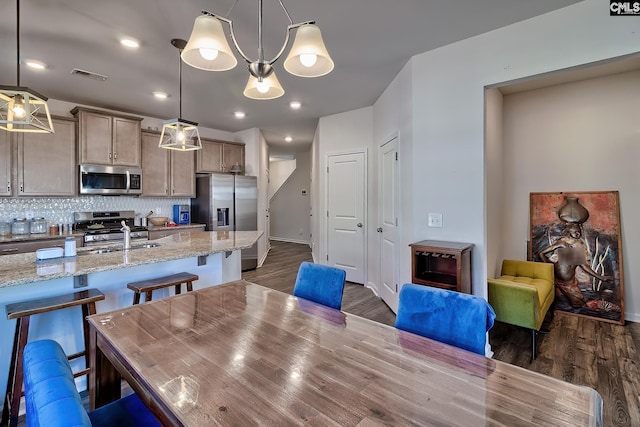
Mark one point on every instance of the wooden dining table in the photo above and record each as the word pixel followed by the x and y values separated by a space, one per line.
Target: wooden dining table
pixel 240 354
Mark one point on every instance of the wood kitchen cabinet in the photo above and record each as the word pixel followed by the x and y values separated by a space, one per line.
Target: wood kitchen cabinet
pixel 166 172
pixel 46 163
pixel 232 154
pixel 39 164
pixel 5 164
pixel 107 139
pixel 445 265
pixel 219 156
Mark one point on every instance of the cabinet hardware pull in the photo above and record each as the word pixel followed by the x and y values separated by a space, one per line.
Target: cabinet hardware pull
pixel 115 156
pixel 379 229
pixel 110 156
pixel 359 225
pixel 22 187
pixel 9 186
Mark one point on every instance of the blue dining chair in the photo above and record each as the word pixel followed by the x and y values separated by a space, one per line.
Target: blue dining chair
pixel 320 283
pixel 450 317
pixel 52 399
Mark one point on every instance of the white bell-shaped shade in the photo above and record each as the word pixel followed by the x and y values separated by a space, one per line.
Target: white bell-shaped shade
pixel 268 88
pixel 207 48
pixel 181 135
pixel 308 56
pixel 24 110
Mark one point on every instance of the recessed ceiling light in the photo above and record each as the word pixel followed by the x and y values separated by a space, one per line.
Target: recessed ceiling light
pixel 36 65
pixel 130 42
pixel 239 115
pixel 295 104
pixel 288 139
pixel 160 95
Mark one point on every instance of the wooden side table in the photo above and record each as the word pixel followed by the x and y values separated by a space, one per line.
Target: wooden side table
pixel 445 265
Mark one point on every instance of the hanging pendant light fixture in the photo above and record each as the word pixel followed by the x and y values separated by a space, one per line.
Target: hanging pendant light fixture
pixel 209 50
pixel 23 109
pixel 180 134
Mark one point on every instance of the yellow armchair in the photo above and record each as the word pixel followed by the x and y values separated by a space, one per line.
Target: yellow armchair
pixel 522 295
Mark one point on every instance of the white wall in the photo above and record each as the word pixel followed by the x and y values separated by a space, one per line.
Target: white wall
pixel 582 136
pixel 495 211
pixel 448 109
pixel 315 195
pixel 340 133
pixel 256 164
pixel 289 208
pixel 393 116
pixel 279 173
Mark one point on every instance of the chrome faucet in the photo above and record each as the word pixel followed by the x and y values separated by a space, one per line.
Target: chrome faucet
pixel 127 235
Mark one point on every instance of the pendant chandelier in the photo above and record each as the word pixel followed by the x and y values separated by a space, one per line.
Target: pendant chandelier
pixel 23 109
pixel 180 134
pixel 209 50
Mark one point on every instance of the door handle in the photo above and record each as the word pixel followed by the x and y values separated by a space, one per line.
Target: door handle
pixel 379 229
pixel 359 225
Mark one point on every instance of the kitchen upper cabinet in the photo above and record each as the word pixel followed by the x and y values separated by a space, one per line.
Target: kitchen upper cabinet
pixel 183 174
pixel 107 139
pixel 5 163
pixel 232 154
pixel 47 161
pixel 219 156
pixel 209 159
pixel 166 172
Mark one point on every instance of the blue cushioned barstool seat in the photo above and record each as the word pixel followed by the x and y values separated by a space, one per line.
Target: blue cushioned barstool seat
pixel 52 399
pixel 320 283
pixel 450 317
pixel 22 312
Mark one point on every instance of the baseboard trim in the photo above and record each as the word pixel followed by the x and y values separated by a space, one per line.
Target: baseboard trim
pixel 264 257
pixel 373 287
pixel 283 239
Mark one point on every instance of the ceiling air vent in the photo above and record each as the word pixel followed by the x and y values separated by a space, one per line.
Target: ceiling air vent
pixel 89 75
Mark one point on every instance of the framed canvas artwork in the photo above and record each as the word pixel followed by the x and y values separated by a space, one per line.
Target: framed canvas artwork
pixel 579 233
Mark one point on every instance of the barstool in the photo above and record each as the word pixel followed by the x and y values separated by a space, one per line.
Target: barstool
pixel 22 312
pixel 148 286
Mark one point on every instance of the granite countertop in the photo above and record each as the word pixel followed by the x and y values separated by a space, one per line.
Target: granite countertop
pixel 32 237
pixel 152 227
pixel 20 269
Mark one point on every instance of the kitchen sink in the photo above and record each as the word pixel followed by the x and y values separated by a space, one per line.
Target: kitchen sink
pixel 100 251
pixel 146 246
pixel 117 249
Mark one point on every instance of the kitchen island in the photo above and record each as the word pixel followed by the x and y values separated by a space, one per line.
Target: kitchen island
pixel 213 256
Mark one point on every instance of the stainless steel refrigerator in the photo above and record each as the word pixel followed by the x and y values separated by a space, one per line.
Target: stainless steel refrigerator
pixel 228 203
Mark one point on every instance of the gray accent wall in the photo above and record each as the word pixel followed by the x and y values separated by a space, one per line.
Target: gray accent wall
pixel 290 208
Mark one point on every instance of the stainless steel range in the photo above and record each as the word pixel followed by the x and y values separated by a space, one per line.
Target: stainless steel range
pixel 105 227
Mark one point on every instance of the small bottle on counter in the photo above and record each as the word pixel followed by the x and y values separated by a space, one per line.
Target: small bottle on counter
pixel 69 247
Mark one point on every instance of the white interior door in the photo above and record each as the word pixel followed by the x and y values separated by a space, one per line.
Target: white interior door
pixel 346 192
pixel 388 197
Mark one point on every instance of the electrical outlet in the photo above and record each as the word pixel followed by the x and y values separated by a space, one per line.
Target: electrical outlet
pixel 435 220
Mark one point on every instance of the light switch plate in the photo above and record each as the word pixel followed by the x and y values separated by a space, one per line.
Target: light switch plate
pixel 435 220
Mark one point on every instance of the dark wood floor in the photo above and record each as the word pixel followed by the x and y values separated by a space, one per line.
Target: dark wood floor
pixel 600 355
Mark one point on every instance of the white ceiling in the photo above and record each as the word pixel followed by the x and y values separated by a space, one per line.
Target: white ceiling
pixel 369 41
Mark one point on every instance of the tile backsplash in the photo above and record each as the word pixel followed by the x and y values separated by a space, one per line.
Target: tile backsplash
pixel 60 210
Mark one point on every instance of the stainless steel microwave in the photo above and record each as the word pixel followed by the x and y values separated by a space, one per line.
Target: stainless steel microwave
pixel 110 180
